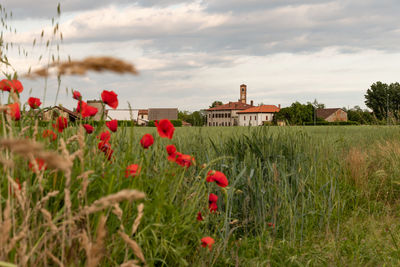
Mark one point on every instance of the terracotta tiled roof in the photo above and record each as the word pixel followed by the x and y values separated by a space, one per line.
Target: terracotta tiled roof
pixel 231 106
pixel 326 112
pixel 143 112
pixel 261 109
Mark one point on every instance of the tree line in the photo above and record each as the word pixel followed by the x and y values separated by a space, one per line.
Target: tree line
pixel 382 99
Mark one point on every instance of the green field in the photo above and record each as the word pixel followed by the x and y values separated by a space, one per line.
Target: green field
pixel 297 196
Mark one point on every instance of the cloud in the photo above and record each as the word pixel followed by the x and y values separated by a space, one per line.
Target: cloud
pixel 190 53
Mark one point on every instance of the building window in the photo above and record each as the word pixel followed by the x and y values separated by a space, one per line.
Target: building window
pixel 244 117
pixel 255 118
pixel 229 115
pixel 266 117
pixel 213 115
pixel 209 124
pixel 250 117
pixel 229 123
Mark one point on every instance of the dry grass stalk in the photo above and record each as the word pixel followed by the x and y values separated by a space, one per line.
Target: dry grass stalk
pixel 110 200
pixel 5 228
pixel 22 132
pixel 43 201
pixel 17 191
pixel 16 238
pixel 49 220
pixel 138 219
pixel 117 211
pixel 35 129
pixel 81 67
pixel 6 162
pixel 133 245
pixel 131 263
pixel 357 164
pixel 25 147
pixel 94 252
pixel 67 199
pixel 54 258
pixel 3 108
pixel 85 182
pixel 15 97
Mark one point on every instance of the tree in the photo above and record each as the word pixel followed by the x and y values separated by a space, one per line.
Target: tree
pixel 384 100
pixel 316 104
pixel 215 103
pixel 296 114
pixel 361 116
pixel 196 118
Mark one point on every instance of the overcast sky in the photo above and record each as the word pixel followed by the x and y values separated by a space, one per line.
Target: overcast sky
pixel 190 53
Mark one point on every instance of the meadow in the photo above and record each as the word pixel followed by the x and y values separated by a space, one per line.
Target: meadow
pixel 297 196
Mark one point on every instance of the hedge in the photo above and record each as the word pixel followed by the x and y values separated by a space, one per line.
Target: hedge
pixel 327 123
pixel 176 123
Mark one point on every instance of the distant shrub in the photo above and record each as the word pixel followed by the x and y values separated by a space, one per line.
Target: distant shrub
pixel 322 123
pixel 268 123
pixel 176 123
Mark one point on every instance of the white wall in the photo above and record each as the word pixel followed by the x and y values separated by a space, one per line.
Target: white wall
pixel 122 114
pixel 256 118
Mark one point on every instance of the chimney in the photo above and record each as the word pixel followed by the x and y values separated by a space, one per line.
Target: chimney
pixel 251 103
pixel 279 106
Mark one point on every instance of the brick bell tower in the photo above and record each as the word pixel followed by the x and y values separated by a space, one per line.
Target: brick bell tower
pixel 243 93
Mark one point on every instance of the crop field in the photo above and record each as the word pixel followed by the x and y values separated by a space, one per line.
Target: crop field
pixel 296 196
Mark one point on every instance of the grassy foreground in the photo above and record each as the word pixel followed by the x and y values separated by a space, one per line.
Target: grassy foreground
pixel 296 196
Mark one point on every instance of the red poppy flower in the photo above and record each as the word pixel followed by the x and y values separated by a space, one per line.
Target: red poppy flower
pixel 271 225
pixel 165 128
pixel 112 125
pixel 76 95
pixel 146 141
pixel 40 163
pixel 199 217
pixel 49 133
pixel 184 160
pixel 86 110
pixel 218 177
pixel 89 128
pixel 13 111
pixel 61 124
pixel 132 170
pixel 105 136
pixel 212 202
pixel 110 98
pixel 34 102
pixel 207 242
pixel 105 147
pixel 7 85
pixel 171 150
pixel 213 207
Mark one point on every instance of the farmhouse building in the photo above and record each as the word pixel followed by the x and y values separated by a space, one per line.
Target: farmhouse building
pixel 56 111
pixel 256 116
pixel 226 114
pixel 332 114
pixel 122 114
pixel 162 113
pixel 143 117
pixel 101 112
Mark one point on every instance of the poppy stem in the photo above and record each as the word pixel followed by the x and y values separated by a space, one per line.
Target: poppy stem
pixel 179 185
